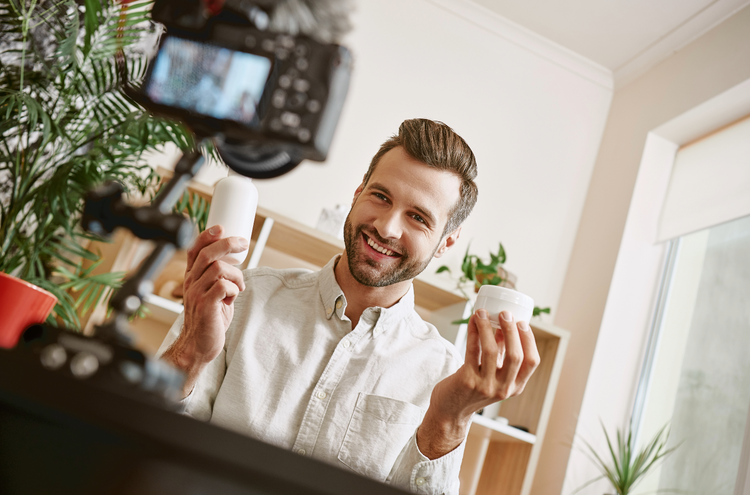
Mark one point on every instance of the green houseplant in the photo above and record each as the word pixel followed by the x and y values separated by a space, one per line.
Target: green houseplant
pixel 66 126
pixel 622 465
pixel 476 272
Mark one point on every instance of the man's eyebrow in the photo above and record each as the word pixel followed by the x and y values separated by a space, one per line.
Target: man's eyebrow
pixel 422 211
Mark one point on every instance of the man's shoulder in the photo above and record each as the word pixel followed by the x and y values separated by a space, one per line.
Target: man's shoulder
pixel 426 331
pixel 288 277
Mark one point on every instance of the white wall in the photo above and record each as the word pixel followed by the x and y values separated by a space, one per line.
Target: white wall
pixel 532 112
pixel 533 117
pixel 609 292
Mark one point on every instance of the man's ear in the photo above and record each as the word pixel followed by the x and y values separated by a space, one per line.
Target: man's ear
pixel 357 193
pixel 448 242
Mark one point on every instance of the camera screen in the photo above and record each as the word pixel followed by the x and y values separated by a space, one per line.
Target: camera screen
pixel 207 79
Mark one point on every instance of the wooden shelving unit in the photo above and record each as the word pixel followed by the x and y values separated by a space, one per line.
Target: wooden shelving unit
pixel 500 459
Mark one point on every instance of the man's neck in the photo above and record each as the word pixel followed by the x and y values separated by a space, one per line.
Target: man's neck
pixel 360 297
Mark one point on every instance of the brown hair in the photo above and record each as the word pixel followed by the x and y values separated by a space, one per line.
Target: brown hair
pixel 437 145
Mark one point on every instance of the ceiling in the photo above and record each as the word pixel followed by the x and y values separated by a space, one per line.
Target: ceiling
pixel 626 36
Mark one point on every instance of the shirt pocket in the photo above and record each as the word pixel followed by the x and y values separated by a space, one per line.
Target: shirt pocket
pixel 377 432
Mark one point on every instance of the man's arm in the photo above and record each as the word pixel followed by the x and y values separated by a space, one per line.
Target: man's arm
pixel 210 288
pixel 488 375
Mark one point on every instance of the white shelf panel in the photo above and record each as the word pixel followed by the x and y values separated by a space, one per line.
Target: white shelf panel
pixel 163 309
pixel 487 427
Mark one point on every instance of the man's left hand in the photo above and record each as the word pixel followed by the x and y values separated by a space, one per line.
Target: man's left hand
pixel 498 365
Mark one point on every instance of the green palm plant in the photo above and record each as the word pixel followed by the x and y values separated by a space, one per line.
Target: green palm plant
pixel 623 467
pixel 66 126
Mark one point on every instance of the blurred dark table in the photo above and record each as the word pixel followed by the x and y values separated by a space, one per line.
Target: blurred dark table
pixel 61 435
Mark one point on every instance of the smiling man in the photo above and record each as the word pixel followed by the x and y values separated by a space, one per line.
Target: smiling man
pixel 336 364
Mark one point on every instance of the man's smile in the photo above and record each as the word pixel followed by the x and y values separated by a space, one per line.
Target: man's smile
pixel 381 249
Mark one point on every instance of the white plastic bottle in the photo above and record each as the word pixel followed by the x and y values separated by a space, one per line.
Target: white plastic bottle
pixel 233 206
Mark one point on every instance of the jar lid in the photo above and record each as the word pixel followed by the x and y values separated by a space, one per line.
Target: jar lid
pixel 506 294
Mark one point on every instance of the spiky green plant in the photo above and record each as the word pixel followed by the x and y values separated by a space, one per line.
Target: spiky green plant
pixel 623 467
pixel 65 126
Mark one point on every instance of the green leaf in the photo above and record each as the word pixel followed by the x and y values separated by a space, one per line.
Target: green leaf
pixel 537 311
pixel 500 257
pixel 443 269
pixel 91 22
pixel 621 465
pixel 67 47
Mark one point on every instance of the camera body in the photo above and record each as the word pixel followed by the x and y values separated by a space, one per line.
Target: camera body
pixel 224 77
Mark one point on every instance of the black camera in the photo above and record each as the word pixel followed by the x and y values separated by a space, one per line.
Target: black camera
pixel 270 99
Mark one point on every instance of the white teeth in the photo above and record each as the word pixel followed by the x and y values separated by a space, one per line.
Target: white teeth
pixel 379 248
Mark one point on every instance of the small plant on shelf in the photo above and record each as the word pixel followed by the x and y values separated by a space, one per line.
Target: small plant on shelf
pixel 475 271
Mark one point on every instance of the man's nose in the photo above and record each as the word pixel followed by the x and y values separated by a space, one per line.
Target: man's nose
pixel 389 225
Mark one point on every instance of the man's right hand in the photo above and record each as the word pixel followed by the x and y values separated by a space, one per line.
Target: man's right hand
pixel 210 289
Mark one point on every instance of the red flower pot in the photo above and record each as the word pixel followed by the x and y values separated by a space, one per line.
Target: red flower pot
pixel 21 305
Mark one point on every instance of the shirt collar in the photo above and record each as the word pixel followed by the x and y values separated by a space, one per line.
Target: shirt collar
pixel 334 302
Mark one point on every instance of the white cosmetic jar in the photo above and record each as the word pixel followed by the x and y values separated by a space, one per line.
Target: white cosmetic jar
pixel 496 299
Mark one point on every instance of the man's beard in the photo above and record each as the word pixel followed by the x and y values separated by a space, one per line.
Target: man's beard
pixel 405 269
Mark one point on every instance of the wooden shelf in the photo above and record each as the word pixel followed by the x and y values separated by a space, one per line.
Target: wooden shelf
pixel 496 431
pixel 500 459
pixel 163 309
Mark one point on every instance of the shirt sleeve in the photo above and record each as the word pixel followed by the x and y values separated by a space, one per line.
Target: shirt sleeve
pixel 199 403
pixel 416 473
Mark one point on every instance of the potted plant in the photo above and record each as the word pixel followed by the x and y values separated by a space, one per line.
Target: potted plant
pixel 67 126
pixel 622 466
pixel 476 272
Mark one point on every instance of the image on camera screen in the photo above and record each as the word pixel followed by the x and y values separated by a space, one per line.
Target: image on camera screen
pixel 209 80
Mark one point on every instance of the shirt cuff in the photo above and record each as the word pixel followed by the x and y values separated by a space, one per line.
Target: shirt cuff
pixel 432 477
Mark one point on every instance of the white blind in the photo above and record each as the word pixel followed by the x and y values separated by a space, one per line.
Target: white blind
pixel 710 183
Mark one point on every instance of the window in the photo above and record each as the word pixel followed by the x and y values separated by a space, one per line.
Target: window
pixel 698 373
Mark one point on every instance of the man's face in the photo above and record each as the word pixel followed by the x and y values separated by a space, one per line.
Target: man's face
pixel 395 226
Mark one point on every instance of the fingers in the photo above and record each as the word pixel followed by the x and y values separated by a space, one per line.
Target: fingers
pixel 514 352
pixel 214 251
pixel 224 291
pixel 472 345
pixel 219 270
pixel 531 358
pixel 488 343
pixel 204 239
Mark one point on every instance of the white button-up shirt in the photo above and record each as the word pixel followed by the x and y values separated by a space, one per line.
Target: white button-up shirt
pixel 294 373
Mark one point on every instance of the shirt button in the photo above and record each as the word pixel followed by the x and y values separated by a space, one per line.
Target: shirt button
pixel 302 452
pixel 346 344
pixel 329 311
pixel 322 395
pixel 339 304
pixel 420 481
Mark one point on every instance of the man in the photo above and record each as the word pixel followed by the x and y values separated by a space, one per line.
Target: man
pixel 336 364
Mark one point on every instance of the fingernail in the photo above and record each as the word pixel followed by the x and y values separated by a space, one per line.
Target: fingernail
pixel 244 243
pixel 523 326
pixel 506 316
pixel 482 313
pixel 213 230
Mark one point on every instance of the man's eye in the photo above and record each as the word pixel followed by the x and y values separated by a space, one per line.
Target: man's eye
pixel 380 196
pixel 418 218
